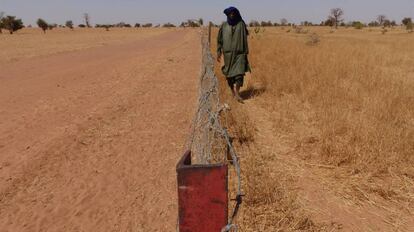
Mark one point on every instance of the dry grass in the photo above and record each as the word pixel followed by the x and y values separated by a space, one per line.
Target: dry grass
pixel 270 203
pixel 351 98
pixel 31 42
pixel 345 104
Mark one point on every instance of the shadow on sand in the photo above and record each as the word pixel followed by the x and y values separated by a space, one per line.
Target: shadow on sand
pixel 252 92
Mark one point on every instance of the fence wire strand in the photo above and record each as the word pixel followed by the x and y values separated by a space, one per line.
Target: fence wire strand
pixel 209 141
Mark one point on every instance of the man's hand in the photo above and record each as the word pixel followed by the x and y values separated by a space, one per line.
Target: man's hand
pixel 219 58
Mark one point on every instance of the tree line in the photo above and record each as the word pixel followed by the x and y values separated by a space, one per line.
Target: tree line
pixel 334 19
pixel 12 24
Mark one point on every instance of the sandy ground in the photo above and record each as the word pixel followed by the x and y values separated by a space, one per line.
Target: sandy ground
pixel 89 139
pixel 32 42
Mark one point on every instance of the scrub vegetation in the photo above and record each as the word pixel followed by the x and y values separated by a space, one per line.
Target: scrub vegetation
pixel 332 122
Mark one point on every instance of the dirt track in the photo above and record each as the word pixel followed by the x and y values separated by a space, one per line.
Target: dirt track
pixel 89 139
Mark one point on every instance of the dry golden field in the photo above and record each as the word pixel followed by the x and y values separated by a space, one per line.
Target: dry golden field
pixel 32 42
pixel 327 130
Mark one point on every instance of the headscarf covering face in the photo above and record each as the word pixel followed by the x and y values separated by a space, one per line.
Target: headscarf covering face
pixel 236 19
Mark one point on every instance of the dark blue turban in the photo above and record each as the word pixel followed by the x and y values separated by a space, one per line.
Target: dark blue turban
pixel 238 17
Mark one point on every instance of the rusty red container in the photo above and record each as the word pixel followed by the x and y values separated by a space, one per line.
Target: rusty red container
pixel 202 196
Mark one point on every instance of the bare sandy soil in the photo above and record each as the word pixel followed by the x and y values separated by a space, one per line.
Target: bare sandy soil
pixel 32 42
pixel 89 139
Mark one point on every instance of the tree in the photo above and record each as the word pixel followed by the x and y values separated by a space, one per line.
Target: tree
pixel 336 16
pixel 407 21
pixel 329 22
pixel 168 25
pixel 43 25
pixel 200 21
pixel 283 22
pixel 51 26
pixel 137 25
pixel 381 19
pixel 254 23
pixel 373 24
pixel 11 24
pixel 69 24
pixel 387 23
pixel 1 24
pixel 87 20
pixel 266 24
pixel 357 25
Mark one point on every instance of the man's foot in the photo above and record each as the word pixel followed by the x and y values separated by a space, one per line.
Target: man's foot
pixel 239 99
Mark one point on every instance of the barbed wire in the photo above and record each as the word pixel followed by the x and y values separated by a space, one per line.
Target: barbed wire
pixel 209 141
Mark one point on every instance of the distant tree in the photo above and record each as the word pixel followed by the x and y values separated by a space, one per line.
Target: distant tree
pixel 193 23
pixel 266 24
pixel 69 24
pixel 254 23
pixel 387 23
pixel 283 22
pixel 168 25
pixel 406 21
pixel 381 20
pixel 42 24
pixel 147 25
pixel 1 24
pixel 200 22
pixel 329 22
pixel 336 16
pixel 87 19
pixel 51 26
pixel 82 25
pixel 137 25
pixel 357 25
pixel 306 23
pixel 373 24
pixel 11 24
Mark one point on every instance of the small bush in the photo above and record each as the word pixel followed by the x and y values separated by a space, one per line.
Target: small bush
pixel 82 25
pixel 358 25
pixel 300 30
pixel 313 39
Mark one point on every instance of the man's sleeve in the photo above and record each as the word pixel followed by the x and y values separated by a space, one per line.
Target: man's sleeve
pixel 246 35
pixel 220 42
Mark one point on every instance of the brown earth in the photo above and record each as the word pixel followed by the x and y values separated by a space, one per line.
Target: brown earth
pixel 89 139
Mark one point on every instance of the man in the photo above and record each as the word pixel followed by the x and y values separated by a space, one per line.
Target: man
pixel 232 43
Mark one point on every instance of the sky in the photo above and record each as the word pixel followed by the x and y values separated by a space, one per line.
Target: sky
pixel 176 11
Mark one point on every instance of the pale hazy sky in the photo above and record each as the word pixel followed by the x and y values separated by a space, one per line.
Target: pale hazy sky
pixel 175 11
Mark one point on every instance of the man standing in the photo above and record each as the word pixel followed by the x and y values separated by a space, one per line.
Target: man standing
pixel 232 43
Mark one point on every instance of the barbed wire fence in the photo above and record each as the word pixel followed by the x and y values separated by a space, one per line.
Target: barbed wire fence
pixel 209 140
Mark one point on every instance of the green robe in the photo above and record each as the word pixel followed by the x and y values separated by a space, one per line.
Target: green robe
pixel 232 43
